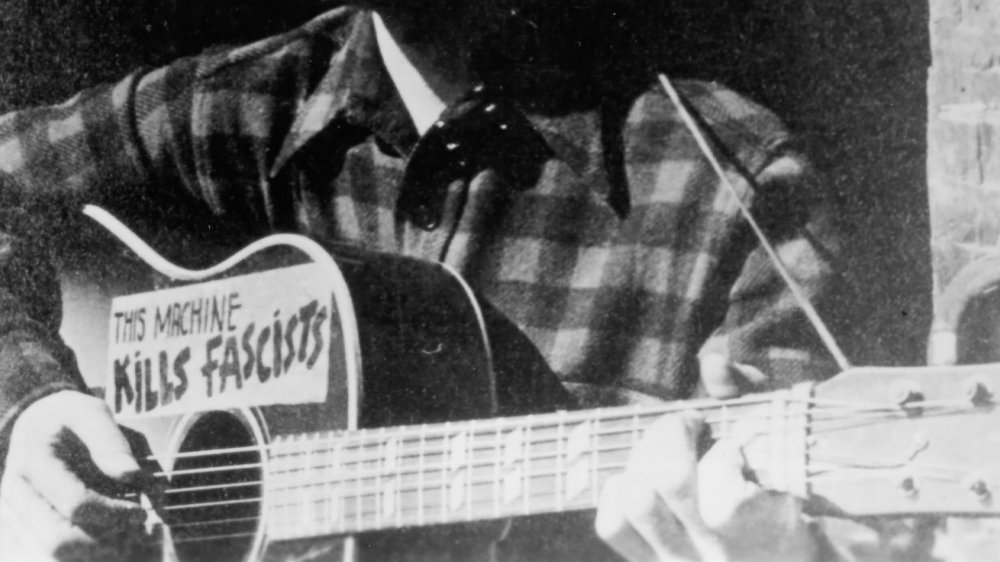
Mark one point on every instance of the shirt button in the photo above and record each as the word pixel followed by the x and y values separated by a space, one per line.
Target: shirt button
pixel 425 217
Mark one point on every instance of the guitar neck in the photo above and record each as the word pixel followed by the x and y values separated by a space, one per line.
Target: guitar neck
pixel 349 482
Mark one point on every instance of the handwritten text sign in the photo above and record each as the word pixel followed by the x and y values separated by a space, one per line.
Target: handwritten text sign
pixel 252 340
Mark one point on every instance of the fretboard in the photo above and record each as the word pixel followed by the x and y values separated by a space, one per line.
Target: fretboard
pixel 349 482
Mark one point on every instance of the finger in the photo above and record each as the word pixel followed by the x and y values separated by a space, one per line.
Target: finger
pixel 13 538
pixel 668 458
pixel 724 379
pixel 716 376
pixel 108 447
pixel 758 523
pixel 36 532
pixel 40 529
pixel 723 487
pixel 613 526
pixel 68 495
pixel 656 523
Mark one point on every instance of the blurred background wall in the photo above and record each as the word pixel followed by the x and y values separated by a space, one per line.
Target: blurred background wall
pixel 849 75
pixel 964 168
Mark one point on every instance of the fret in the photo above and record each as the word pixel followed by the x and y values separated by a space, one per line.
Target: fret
pixel 421 466
pixel 444 476
pixel 560 463
pixel 636 432
pixel 468 470
pixel 777 444
pixel 398 479
pixel 358 465
pixel 334 488
pixel 274 496
pixel 310 508
pixel 526 474
pixel 578 459
pixel 303 478
pixel 513 460
pixel 379 467
pixel 458 448
pixel 324 485
pixel 725 427
pixel 497 459
pixel 389 487
pixel 319 471
pixel 345 485
pixel 595 460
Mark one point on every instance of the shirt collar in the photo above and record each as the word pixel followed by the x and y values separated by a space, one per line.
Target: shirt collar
pixel 357 89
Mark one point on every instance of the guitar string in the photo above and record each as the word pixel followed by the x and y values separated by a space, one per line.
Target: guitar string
pixel 389 474
pixel 347 500
pixel 480 444
pixel 444 429
pixel 851 422
pixel 347 521
pixel 362 492
pixel 353 483
pixel 315 447
pixel 842 463
pixel 869 463
pixel 493 446
pixel 213 522
pixel 360 438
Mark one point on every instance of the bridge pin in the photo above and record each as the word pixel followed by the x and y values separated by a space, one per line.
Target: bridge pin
pixel 979 487
pixel 905 392
pixel 908 484
pixel 978 392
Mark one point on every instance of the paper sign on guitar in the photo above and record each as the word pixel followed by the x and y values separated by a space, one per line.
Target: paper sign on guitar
pixel 252 340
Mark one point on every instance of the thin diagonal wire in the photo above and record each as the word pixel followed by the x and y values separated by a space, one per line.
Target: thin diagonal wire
pixel 800 297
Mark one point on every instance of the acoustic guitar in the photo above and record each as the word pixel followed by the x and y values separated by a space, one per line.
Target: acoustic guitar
pixel 323 397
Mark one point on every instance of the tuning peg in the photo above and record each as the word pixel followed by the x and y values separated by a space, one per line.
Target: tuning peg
pixel 908 484
pixel 978 486
pixel 904 392
pixel 978 391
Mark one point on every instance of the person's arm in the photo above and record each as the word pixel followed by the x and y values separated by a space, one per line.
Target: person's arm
pixel 676 501
pixel 669 505
pixel 198 135
pixel 58 444
pixel 765 335
pixel 48 424
pixel 673 503
pixel 153 141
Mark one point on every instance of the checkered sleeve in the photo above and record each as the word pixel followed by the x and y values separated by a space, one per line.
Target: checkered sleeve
pixel 76 151
pixel 34 362
pixel 51 158
pixel 765 327
pixel 197 132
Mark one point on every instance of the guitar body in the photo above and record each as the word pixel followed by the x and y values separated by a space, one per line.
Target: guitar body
pixel 407 347
pixel 322 408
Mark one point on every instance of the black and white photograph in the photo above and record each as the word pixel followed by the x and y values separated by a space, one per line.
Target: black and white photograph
pixel 499 280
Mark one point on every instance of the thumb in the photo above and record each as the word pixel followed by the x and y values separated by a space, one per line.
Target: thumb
pixel 108 447
pixel 724 486
pixel 735 507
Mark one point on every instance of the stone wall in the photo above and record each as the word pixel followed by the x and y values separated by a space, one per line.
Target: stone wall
pixel 964 116
pixel 964 151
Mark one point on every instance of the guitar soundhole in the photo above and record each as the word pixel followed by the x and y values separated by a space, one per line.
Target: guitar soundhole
pixel 214 498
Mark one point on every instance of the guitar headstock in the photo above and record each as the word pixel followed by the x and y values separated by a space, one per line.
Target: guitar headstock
pixel 906 440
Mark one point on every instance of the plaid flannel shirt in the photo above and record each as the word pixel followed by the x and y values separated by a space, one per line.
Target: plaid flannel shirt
pixel 305 132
